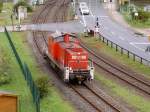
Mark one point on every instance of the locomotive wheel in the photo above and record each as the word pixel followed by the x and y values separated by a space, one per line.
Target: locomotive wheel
pixel 44 56
pixel 66 80
pixel 52 65
pixel 79 82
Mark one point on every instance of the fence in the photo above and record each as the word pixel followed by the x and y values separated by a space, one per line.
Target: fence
pixel 27 74
pixel 124 51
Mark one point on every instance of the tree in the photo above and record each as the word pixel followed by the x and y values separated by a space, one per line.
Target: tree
pixel 143 15
pixel 1 6
pixel 22 3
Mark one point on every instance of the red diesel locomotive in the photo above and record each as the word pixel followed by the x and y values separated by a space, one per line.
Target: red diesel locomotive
pixel 65 54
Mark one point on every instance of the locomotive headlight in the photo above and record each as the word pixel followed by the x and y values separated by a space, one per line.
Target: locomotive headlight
pixel 89 67
pixel 70 68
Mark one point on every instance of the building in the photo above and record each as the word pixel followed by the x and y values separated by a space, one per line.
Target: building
pixel 141 2
pixel 8 102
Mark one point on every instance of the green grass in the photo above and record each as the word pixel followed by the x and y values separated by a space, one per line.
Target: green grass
pixel 17 84
pixel 53 102
pixel 136 23
pixel 99 46
pixel 128 95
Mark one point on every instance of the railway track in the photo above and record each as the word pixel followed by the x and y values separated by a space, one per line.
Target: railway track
pixel 130 78
pixel 42 17
pixel 97 101
pixel 100 101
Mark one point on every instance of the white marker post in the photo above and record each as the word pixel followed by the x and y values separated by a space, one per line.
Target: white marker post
pixel 96 31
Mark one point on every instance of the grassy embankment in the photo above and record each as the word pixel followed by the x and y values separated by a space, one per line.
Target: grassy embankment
pixel 136 23
pixel 141 104
pixel 129 96
pixel 54 102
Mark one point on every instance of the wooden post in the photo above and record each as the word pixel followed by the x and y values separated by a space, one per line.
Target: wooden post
pixel 128 54
pixel 141 60
pixel 121 50
pixel 116 47
pixel 111 45
pixel 133 57
pixel 107 42
pixel 103 39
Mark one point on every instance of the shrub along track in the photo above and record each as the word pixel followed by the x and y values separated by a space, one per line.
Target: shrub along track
pixel 98 101
pixel 135 80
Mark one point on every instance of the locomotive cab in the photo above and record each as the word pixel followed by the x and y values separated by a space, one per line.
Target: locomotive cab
pixel 78 64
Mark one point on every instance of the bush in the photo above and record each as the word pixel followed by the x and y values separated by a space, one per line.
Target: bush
pixel 29 8
pixel 1 6
pixel 42 85
pixel 4 78
pixel 143 16
pixel 4 67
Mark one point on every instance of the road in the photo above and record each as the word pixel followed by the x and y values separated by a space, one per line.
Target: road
pixel 72 26
pixel 113 31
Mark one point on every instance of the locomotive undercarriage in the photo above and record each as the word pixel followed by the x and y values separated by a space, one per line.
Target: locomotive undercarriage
pixel 78 75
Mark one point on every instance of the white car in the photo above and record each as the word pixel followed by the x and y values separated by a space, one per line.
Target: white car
pixel 84 10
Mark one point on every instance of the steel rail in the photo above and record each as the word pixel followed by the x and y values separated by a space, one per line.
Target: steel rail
pixel 145 84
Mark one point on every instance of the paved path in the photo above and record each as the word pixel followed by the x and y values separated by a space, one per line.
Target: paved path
pixel 73 26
